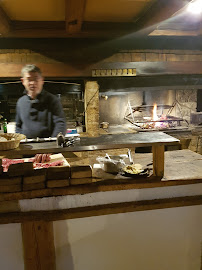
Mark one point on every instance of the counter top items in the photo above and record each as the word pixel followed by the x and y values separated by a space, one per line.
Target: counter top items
pixel 49 139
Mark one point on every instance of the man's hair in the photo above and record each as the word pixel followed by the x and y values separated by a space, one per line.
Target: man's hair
pixel 30 68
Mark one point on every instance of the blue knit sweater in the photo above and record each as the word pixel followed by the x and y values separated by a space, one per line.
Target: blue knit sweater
pixel 41 117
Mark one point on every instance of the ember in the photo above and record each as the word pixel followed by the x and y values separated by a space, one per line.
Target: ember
pixel 155 121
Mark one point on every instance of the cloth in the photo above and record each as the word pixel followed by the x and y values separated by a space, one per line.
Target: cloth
pixel 41 117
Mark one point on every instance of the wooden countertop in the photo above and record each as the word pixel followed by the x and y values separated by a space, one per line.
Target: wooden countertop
pixel 108 141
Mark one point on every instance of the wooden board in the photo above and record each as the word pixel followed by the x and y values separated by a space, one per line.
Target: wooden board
pixel 38 245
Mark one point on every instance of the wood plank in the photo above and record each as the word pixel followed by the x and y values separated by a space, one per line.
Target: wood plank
pixel 5 24
pixel 51 29
pixel 74 15
pixel 161 10
pixel 158 159
pixel 40 185
pixel 10 188
pixel 81 181
pixel 63 70
pixel 81 171
pixel 57 183
pixel 38 245
pixel 106 209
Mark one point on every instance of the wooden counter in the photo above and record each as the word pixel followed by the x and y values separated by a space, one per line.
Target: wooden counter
pixel 37 209
pixel 156 139
pixel 180 184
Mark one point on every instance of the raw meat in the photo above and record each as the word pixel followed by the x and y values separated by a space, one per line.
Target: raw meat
pixel 6 162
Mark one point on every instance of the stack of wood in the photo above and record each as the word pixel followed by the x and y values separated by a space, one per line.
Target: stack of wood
pixel 25 177
pixel 58 176
pixel 34 179
pixel 81 174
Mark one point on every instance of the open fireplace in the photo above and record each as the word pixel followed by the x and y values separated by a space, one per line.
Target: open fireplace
pixel 130 103
pixel 156 117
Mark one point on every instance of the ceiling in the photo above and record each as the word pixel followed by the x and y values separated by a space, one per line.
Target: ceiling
pixel 96 18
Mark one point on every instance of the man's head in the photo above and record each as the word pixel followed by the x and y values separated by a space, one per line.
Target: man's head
pixel 32 80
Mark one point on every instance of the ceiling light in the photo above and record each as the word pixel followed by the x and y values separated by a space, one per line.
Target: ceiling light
pixel 195 7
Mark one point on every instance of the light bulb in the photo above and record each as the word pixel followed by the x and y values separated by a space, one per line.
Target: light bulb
pixel 195 7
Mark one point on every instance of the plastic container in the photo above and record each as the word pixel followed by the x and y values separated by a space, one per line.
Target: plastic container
pixel 111 164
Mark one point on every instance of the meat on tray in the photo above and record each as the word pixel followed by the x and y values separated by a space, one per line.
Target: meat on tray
pixel 6 162
pixel 47 165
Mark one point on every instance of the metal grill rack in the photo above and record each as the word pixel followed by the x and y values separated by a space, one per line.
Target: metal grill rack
pixel 139 115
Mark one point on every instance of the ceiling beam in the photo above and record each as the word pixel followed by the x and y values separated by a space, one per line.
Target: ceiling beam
pixel 74 14
pixel 158 12
pixel 65 70
pixel 5 23
pixel 49 29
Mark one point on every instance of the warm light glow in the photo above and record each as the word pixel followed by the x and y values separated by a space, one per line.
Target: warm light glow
pixel 155 117
pixel 195 7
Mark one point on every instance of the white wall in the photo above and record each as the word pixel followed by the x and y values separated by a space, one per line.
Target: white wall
pixel 167 239
pixel 11 251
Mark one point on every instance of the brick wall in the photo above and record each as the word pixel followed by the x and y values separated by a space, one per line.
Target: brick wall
pixel 29 56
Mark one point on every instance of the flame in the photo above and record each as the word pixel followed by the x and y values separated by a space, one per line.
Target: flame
pixel 155 117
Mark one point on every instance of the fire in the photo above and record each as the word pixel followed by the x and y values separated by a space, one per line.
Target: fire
pixel 155 117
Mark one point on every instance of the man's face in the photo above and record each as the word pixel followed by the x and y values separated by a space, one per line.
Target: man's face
pixel 33 83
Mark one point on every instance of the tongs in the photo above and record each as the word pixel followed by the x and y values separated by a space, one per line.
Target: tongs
pixel 64 142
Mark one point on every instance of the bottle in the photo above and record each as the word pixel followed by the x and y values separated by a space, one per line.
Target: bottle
pixel 5 125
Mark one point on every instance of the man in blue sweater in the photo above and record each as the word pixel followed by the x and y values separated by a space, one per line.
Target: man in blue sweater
pixel 38 113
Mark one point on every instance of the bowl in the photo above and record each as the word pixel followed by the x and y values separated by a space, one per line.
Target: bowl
pixel 10 141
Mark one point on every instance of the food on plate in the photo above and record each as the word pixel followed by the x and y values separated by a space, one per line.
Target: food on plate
pixel 133 169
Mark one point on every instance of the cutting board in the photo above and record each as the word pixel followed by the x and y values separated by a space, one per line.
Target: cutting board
pixel 55 157
pixel 27 166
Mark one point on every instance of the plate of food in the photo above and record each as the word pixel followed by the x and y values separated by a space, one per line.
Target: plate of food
pixel 135 170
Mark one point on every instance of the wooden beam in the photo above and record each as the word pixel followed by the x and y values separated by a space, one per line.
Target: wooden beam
pixel 100 186
pixel 158 160
pixel 5 24
pixel 51 29
pixel 98 210
pixel 63 70
pixel 158 12
pixel 38 245
pixel 74 15
pixel 21 29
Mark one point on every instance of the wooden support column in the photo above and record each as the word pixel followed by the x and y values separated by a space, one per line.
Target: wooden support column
pixel 158 160
pixel 92 108
pixel 38 245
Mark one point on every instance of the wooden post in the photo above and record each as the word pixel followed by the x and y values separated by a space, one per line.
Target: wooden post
pixel 158 160
pixel 38 245
pixel 92 108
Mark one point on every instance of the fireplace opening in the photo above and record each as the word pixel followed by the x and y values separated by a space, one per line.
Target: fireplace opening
pixel 135 108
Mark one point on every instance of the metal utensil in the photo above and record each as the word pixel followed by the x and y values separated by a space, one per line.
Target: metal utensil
pixel 130 156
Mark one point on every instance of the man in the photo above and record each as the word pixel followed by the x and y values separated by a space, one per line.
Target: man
pixel 38 113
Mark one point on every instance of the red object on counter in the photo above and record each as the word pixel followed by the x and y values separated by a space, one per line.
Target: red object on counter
pixel 6 162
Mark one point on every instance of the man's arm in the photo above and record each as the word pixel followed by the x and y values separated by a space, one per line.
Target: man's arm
pixel 18 121
pixel 58 118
